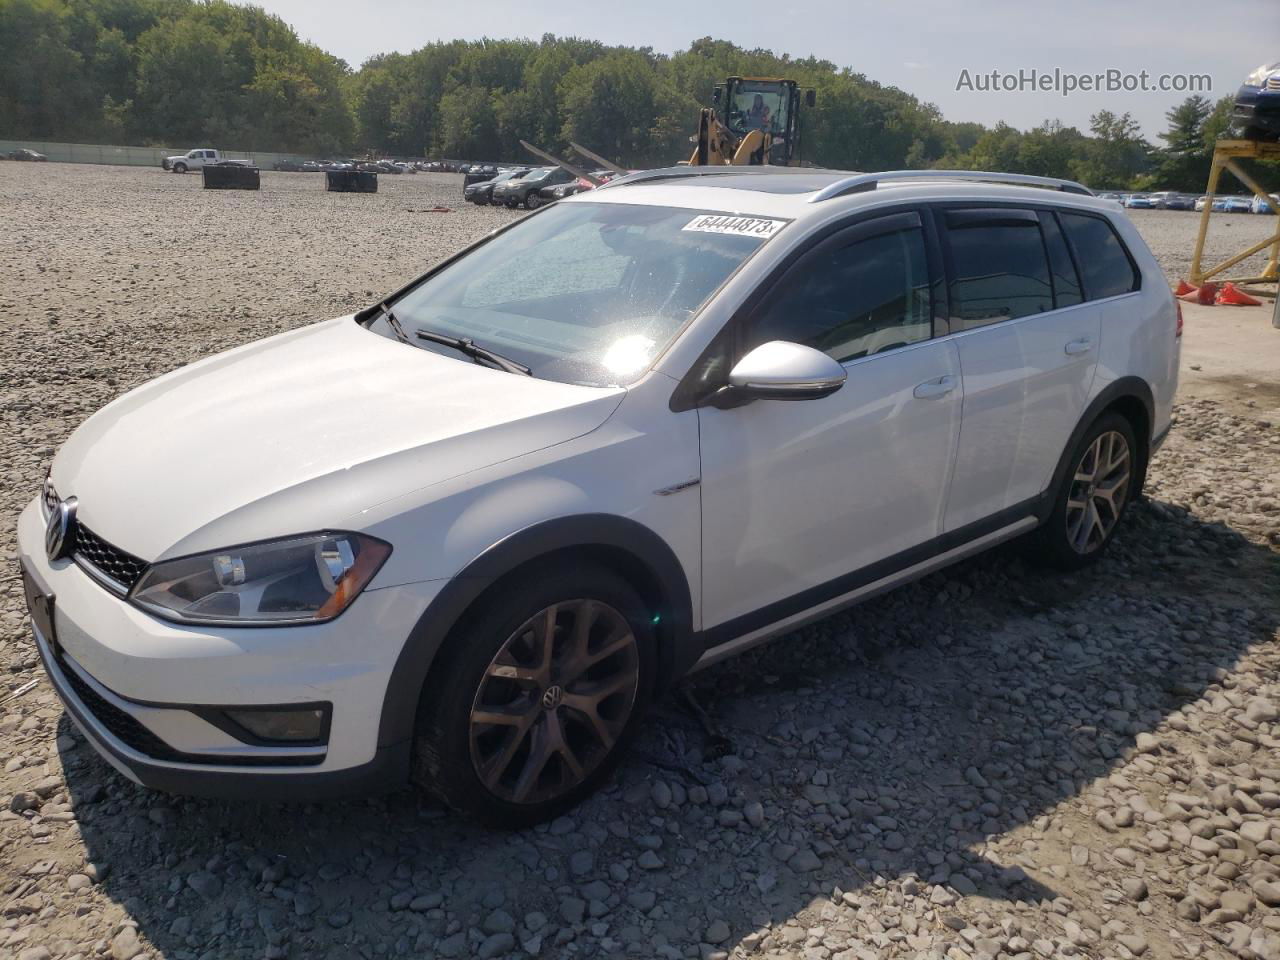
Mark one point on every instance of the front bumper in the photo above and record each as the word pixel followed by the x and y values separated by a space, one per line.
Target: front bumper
pixel 140 689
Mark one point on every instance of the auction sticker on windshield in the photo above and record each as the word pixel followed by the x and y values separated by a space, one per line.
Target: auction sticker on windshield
pixel 737 226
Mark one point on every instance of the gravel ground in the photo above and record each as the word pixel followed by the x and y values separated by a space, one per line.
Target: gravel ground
pixel 990 763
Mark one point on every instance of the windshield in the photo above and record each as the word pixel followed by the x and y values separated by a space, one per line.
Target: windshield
pixel 758 106
pixel 583 293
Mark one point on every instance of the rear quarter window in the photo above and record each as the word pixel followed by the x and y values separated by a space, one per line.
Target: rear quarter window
pixel 1106 267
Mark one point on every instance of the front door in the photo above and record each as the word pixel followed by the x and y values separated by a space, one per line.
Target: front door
pixel 797 496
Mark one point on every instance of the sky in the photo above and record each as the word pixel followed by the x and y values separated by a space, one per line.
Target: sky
pixel 922 46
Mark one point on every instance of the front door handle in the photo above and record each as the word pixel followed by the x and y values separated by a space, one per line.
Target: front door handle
pixel 934 389
pixel 1077 347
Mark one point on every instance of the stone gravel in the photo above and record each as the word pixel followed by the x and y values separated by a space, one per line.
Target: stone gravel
pixel 991 763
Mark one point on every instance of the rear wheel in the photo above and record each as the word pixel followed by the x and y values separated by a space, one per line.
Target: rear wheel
pixel 532 201
pixel 535 697
pixel 1093 496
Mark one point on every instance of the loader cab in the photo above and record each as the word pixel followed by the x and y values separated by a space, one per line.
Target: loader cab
pixel 767 104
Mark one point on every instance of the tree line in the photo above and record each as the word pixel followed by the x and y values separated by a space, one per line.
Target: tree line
pixel 196 72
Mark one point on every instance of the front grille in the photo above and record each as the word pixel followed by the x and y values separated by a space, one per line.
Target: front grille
pixel 136 736
pixel 112 562
pixel 1273 82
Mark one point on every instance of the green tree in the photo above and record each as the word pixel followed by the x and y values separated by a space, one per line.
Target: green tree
pixel 612 105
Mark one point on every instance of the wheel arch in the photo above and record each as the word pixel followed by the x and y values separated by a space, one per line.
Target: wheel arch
pixel 1131 397
pixel 629 548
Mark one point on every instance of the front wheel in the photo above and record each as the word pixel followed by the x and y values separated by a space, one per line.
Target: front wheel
pixel 535 697
pixel 179 168
pixel 1093 496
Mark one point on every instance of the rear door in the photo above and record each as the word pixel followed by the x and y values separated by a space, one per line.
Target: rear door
pixel 1028 348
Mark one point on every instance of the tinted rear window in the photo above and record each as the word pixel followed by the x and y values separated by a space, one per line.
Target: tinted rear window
pixel 1105 267
pixel 1000 272
pixel 1066 282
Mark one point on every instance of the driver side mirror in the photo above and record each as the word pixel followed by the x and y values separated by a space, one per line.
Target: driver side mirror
pixel 781 370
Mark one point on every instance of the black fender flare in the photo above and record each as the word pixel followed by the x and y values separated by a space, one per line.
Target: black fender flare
pixel 678 649
pixel 1121 389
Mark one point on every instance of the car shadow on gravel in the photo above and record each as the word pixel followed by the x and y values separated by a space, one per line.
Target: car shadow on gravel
pixel 877 756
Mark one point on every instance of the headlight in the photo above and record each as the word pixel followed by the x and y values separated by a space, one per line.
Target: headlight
pixel 305 579
pixel 1258 77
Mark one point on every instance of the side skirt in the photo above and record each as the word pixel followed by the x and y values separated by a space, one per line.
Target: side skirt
pixel 868 588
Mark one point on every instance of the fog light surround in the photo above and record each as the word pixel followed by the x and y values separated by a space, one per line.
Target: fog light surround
pixel 292 725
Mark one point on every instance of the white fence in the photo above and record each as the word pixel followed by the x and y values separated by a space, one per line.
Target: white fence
pixel 128 156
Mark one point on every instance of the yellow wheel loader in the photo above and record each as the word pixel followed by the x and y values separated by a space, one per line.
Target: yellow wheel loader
pixel 752 120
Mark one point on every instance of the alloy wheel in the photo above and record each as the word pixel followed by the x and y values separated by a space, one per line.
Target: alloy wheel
pixel 1098 491
pixel 553 701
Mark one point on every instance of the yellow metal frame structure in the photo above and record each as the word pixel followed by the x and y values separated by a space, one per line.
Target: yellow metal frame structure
pixel 1225 155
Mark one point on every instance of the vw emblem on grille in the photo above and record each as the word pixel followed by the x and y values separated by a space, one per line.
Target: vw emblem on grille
pixel 60 532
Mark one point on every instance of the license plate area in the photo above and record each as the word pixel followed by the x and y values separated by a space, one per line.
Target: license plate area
pixel 39 606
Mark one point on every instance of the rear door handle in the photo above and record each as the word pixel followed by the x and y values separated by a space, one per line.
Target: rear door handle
pixel 1077 347
pixel 934 389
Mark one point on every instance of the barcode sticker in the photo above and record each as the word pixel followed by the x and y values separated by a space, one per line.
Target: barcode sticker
pixel 737 226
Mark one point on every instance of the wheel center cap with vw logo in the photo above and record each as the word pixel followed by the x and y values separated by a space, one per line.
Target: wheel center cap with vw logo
pixel 60 531
pixel 553 697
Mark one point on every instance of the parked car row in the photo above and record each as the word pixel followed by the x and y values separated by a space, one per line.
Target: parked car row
pixel 1237 204
pixel 319 166
pixel 1171 200
pixel 527 187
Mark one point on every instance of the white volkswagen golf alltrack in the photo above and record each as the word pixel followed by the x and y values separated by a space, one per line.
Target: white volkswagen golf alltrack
pixel 463 537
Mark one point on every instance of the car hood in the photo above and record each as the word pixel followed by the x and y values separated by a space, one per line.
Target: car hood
pixel 302 432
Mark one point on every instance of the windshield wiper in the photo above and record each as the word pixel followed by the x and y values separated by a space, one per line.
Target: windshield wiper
pixel 394 323
pixel 465 345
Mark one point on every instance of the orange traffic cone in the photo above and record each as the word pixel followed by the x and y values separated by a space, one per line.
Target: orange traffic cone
pixel 1183 289
pixel 1230 295
pixel 1203 296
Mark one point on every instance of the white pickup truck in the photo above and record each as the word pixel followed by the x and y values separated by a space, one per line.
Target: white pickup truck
pixel 191 160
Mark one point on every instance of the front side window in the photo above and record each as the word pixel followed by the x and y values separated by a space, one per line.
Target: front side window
pixel 853 299
pixel 999 267
pixel 583 292
pixel 1105 266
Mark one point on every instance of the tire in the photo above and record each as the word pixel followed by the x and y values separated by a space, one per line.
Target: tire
pixel 559 736
pixel 179 168
pixel 1103 470
pixel 532 201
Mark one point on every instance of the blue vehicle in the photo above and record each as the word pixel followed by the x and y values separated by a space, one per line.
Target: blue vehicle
pixel 1260 204
pixel 1257 109
pixel 1139 201
pixel 1234 204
